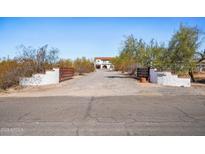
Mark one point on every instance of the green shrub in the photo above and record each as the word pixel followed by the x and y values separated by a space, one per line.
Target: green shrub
pixel 83 65
pixel 12 70
pixel 65 63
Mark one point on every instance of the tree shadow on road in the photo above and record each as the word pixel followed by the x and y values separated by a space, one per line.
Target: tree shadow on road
pixel 202 81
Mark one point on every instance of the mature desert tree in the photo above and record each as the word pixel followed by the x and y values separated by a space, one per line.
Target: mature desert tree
pixel 140 54
pixel 52 56
pixel 182 48
pixel 41 58
pixel 129 45
pixel 136 51
pixel 128 53
pixel 152 55
pixel 28 60
pixel 200 56
pixel 26 52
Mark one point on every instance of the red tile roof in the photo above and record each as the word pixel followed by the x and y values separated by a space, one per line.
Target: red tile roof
pixel 103 58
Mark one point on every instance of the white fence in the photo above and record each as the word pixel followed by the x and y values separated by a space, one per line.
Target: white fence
pixel 50 77
pixel 166 78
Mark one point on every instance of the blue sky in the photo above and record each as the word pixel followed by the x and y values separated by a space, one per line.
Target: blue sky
pixel 90 37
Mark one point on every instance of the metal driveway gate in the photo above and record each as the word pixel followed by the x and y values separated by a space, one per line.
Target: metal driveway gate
pixel 66 73
pixel 143 73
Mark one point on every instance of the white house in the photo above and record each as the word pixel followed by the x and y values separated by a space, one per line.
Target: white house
pixel 103 63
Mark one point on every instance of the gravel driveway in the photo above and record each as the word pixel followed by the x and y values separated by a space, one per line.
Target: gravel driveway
pixel 104 83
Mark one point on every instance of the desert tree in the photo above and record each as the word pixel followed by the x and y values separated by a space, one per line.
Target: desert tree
pixel 182 48
pixel 127 53
pixel 52 56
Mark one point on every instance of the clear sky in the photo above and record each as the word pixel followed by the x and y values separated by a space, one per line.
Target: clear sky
pixel 90 37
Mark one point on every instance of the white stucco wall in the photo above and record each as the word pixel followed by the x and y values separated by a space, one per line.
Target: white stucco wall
pixel 50 77
pixel 153 75
pixel 166 78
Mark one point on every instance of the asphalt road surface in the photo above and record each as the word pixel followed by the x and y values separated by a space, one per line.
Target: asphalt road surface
pixel 130 110
pixel 113 115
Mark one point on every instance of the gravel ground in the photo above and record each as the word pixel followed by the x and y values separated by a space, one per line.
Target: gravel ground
pixel 103 83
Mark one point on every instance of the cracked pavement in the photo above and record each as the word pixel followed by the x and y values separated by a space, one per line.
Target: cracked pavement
pixel 115 105
pixel 113 115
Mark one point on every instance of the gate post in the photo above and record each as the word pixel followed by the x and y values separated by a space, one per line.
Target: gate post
pixel 149 74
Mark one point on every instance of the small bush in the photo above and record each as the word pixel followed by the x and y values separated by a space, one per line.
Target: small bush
pixel 8 71
pixel 83 65
pixel 28 62
pixel 12 70
pixel 65 63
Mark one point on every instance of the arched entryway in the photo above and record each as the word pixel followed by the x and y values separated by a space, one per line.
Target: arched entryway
pixel 97 66
pixel 104 66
